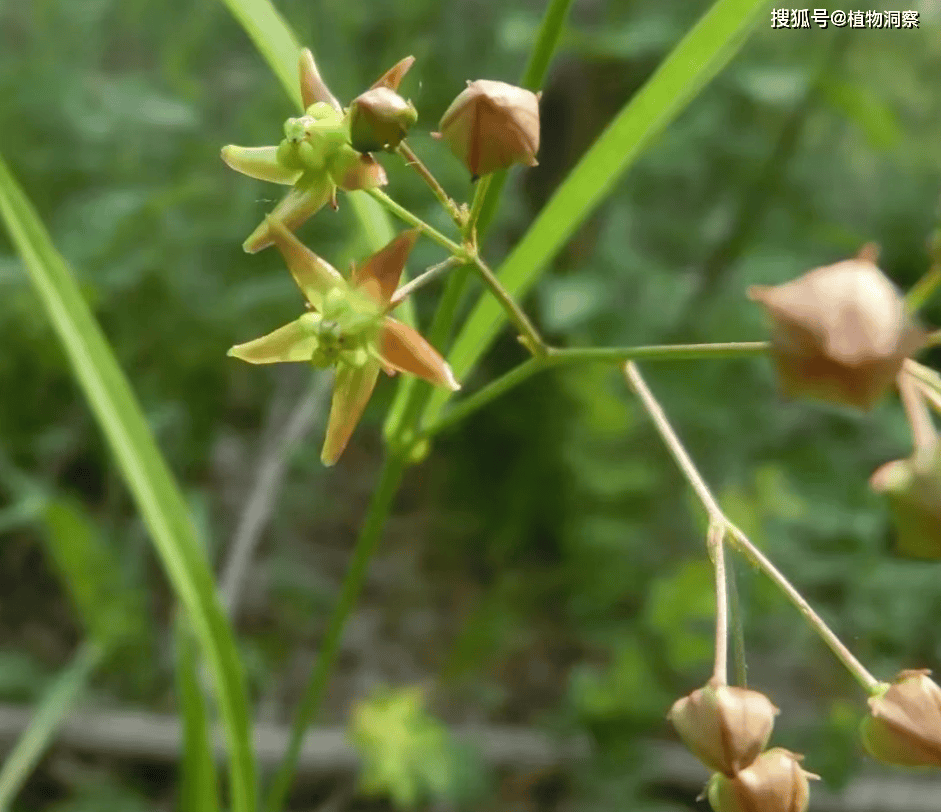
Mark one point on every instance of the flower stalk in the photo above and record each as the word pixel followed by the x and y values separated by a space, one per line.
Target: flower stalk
pixel 739 539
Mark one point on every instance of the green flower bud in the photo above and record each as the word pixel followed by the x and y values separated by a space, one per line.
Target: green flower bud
pixel 726 727
pixel 775 782
pixel 913 488
pixel 904 722
pixel 491 126
pixel 379 119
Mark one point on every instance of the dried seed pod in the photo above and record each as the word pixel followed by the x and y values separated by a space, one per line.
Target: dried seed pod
pixel 379 119
pixel 491 126
pixel 913 488
pixel 775 782
pixel 840 333
pixel 904 722
pixel 726 727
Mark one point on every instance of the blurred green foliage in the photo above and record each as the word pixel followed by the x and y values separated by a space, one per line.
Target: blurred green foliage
pixel 554 538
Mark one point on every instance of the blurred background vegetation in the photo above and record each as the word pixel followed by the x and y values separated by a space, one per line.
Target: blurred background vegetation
pixel 545 566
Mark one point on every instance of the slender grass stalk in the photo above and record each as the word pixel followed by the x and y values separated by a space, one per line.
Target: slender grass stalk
pixel 51 712
pixel 366 543
pixel 716 546
pixel 146 473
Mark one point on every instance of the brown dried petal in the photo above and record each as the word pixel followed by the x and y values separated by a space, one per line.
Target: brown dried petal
pixel 313 88
pixel 393 77
pixel 840 333
pixel 379 275
pixel 904 724
pixel 726 727
pixel 404 349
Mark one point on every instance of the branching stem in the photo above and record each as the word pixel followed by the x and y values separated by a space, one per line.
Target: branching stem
pixel 739 539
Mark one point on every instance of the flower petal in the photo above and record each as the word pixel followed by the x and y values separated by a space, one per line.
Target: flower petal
pixel 379 275
pixel 351 393
pixel 314 276
pixel 351 171
pixel 313 88
pixel 392 77
pixel 292 342
pixel 259 162
pixel 405 349
pixel 296 207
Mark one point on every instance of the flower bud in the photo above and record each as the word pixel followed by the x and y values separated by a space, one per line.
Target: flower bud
pixel 775 782
pixel 379 119
pixel 726 727
pixel 840 333
pixel 904 723
pixel 913 488
pixel 491 126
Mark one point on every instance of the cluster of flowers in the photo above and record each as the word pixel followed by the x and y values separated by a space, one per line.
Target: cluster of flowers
pixel 489 126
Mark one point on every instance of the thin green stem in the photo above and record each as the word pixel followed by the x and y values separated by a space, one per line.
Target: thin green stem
pixel 924 288
pixel 366 543
pixel 716 546
pixel 529 335
pixel 924 435
pixel 555 357
pixel 421 280
pixel 414 220
pixel 469 229
pixel 738 631
pixel 739 539
pixel 437 189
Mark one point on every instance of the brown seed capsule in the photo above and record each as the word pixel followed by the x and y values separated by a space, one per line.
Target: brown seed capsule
pixel 913 489
pixel 904 723
pixel 726 727
pixel 775 782
pixel 840 333
pixel 379 119
pixel 491 126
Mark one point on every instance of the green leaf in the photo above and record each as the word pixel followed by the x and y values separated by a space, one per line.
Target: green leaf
pixel 702 53
pixel 92 574
pixel 199 783
pixel 144 469
pixel 50 713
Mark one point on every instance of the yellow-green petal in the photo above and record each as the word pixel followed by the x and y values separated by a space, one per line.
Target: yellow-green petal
pixel 351 393
pixel 294 342
pixel 261 163
pixel 293 210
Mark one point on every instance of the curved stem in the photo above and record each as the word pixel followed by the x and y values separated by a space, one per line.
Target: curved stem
pixel 425 173
pixel 924 435
pixel 414 220
pixel 469 229
pixel 529 335
pixel 421 280
pixel 739 539
pixel 366 543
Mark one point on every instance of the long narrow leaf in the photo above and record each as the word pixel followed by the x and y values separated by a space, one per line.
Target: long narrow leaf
pixel 150 481
pixel 198 782
pixel 50 713
pixel 702 53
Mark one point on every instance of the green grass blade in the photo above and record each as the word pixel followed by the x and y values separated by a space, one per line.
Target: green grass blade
pixel 150 481
pixel 198 783
pixel 50 713
pixel 702 53
pixel 273 38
